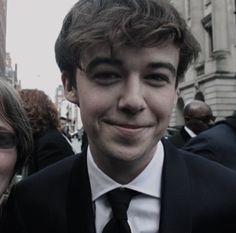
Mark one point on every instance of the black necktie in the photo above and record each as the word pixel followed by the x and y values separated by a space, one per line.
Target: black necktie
pixel 119 200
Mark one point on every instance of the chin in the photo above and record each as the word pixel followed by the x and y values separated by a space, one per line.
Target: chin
pixel 127 154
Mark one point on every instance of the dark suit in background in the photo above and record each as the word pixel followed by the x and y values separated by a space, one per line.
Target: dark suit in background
pixel 217 144
pixel 180 139
pixel 189 184
pixel 50 147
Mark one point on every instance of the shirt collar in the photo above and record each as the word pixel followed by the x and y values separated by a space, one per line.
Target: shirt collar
pixel 147 182
pixel 190 132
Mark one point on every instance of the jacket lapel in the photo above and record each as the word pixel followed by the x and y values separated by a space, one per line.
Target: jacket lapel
pixel 175 200
pixel 80 209
pixel 185 135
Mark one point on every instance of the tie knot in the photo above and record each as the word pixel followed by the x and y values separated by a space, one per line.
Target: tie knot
pixel 119 200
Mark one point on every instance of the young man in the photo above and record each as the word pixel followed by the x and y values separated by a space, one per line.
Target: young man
pixel 120 62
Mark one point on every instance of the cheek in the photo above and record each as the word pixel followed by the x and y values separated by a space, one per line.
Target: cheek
pixel 94 105
pixel 162 105
pixel 7 161
pixel 170 102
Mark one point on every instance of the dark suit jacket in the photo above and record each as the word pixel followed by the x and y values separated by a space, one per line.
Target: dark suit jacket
pixel 49 148
pixel 180 139
pixel 217 144
pixel 198 196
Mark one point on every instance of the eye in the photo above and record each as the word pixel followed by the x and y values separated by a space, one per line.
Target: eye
pixel 106 78
pixel 157 79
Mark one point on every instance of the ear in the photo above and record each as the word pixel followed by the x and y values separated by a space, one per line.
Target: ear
pixel 70 91
pixel 187 119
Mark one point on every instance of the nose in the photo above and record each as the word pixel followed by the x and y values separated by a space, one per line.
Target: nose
pixel 131 99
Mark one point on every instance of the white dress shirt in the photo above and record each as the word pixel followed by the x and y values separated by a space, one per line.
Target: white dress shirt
pixel 144 210
pixel 190 132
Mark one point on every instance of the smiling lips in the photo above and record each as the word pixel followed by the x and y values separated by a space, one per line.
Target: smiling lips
pixel 129 129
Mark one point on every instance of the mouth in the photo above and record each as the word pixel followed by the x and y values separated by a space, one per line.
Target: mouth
pixel 128 128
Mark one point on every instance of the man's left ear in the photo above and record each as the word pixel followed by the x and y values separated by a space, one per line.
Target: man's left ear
pixel 70 91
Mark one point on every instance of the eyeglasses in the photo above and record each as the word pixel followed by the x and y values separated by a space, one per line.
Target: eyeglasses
pixel 7 140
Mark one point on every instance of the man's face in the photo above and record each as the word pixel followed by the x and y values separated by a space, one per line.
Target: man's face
pixel 201 121
pixel 126 102
pixel 63 124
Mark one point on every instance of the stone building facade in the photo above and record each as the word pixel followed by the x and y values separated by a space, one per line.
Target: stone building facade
pixel 68 110
pixel 3 12
pixel 213 77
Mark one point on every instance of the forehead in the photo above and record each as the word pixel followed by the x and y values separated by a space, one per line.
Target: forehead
pixel 201 110
pixel 205 110
pixel 167 52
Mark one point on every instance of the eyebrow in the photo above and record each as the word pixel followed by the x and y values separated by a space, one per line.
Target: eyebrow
pixel 101 61
pixel 112 61
pixel 167 65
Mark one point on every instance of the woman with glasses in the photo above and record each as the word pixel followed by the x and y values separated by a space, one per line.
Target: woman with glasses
pixel 15 137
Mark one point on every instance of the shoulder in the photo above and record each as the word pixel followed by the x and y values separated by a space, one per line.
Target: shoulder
pixel 199 167
pixel 51 134
pixel 216 131
pixel 53 140
pixel 180 138
pixel 212 185
pixel 50 180
pixel 212 139
pixel 44 197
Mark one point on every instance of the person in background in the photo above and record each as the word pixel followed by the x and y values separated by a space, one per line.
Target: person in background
pixel 121 61
pixel 197 117
pixel 84 141
pixel 218 143
pixel 16 142
pixel 64 128
pixel 50 145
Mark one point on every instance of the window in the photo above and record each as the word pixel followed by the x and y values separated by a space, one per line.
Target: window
pixel 207 2
pixel 234 11
pixel 188 9
pixel 199 96
pixel 207 24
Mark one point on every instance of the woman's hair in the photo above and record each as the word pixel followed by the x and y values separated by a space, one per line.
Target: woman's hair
pixel 40 110
pixel 133 23
pixel 13 113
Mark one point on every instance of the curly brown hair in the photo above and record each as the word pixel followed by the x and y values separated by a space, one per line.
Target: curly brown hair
pixel 41 111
